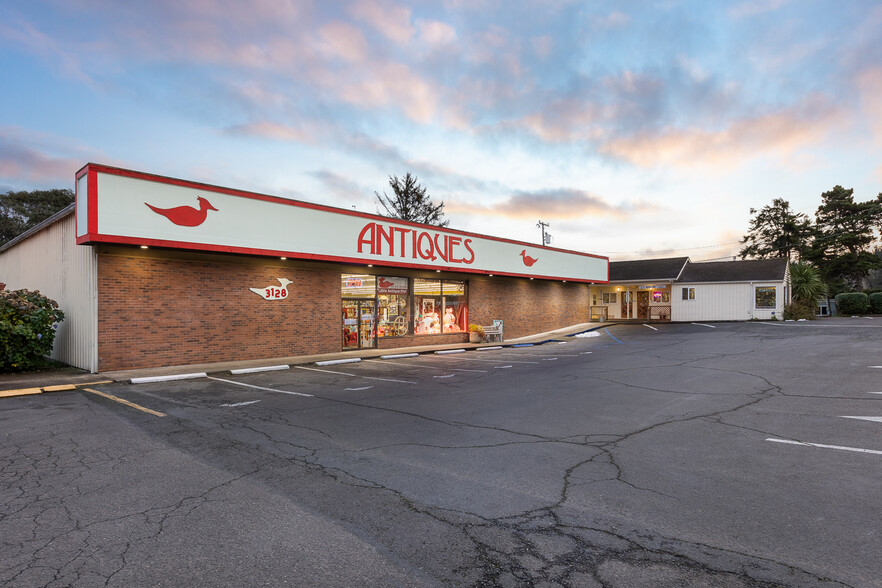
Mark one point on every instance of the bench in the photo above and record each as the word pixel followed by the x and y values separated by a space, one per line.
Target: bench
pixel 493 331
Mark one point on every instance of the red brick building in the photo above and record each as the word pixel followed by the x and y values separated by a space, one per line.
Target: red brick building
pixel 155 271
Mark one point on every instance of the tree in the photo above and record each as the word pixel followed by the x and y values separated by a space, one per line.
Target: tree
pixel 845 234
pixel 19 211
pixel 410 202
pixel 776 231
pixel 806 283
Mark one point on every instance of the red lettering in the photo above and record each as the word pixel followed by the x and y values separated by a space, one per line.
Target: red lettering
pixel 403 233
pixel 453 242
pixel 472 258
pixel 362 240
pixel 428 253
pixel 414 248
pixel 441 251
pixel 381 234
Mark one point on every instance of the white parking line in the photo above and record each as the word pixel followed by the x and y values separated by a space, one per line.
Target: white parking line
pixel 240 404
pixel 243 384
pixel 447 376
pixel 840 447
pixel 300 367
pixel 493 360
pixel 650 327
pixel 359 389
pixel 874 419
pixel 502 367
pixel 429 367
pixel 704 325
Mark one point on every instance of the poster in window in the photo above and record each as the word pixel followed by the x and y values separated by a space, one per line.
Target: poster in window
pixel 428 306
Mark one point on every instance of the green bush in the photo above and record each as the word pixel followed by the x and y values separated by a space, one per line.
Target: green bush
pixel 851 303
pixel 28 321
pixel 876 302
pixel 798 310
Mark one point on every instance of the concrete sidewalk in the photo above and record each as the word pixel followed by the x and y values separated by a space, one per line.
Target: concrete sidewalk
pixel 69 378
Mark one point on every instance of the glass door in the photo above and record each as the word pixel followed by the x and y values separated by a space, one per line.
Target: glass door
pixel 367 323
pixel 350 324
pixel 359 324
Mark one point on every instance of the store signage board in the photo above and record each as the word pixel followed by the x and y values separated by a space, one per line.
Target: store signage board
pixel 126 207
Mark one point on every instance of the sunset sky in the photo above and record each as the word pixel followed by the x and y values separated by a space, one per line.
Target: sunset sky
pixel 636 129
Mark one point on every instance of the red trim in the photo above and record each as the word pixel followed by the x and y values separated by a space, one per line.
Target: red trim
pixel 96 238
pixel 99 168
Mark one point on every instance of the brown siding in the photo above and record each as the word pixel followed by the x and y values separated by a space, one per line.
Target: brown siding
pixel 160 312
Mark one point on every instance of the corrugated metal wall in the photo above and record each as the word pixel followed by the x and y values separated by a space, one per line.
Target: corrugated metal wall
pixel 50 261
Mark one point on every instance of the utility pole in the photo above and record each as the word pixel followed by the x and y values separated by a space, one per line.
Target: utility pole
pixel 542 225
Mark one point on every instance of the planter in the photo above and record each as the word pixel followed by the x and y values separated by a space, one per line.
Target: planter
pixel 475 337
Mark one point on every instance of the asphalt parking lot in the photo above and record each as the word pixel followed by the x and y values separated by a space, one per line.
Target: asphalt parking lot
pixel 725 454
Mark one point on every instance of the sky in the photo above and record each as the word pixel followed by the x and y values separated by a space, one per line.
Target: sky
pixel 635 129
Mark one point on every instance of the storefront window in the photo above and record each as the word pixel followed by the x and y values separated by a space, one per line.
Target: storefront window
pixel 358 286
pixel 765 297
pixel 393 307
pixel 439 308
pixel 661 297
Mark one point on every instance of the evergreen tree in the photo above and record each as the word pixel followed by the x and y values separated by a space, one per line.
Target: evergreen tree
pixel 19 211
pixel 845 235
pixel 777 231
pixel 410 202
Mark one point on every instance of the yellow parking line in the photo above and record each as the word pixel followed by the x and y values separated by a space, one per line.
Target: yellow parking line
pixel 126 402
pixel 59 388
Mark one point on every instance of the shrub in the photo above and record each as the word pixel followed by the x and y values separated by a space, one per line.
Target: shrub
pixel 28 321
pixel 798 310
pixel 876 302
pixel 476 329
pixel 851 303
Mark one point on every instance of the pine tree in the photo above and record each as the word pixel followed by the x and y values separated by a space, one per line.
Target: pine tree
pixel 410 202
pixel 845 235
pixel 19 211
pixel 777 231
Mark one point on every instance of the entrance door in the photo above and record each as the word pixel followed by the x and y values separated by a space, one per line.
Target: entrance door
pixel 643 304
pixel 359 324
pixel 626 303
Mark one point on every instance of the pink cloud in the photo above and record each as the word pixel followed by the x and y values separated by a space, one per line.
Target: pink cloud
pixel 20 162
pixel 869 86
pixel 344 41
pixel 434 33
pixel 393 22
pixel 783 133
pixel 304 133
pixel 552 204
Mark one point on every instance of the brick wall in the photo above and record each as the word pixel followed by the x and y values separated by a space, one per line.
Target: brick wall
pixel 158 312
pixel 528 307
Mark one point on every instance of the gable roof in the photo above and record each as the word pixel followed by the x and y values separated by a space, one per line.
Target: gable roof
pixel 749 270
pixel 646 269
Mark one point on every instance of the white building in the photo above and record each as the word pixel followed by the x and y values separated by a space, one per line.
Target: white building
pixel 679 290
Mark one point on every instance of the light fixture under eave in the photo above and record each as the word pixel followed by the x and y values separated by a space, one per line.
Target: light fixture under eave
pixel 283 258
pixel 370 265
pixel 143 247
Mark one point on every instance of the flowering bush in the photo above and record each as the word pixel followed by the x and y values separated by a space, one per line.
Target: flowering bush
pixel 476 329
pixel 28 321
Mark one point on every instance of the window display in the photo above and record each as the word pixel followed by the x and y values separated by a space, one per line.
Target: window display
pixel 440 306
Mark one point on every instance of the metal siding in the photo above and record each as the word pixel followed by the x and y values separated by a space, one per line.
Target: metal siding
pixel 50 261
pixel 723 302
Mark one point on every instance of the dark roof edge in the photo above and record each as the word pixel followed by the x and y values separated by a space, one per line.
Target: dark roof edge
pixel 66 211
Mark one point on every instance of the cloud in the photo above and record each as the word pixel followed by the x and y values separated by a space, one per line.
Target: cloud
pixel 435 33
pixel 305 133
pixel 613 20
pixel 783 133
pixel 393 22
pixel 542 46
pixel 869 86
pixel 756 7
pixel 25 159
pixel 551 204
pixel 38 43
pixel 344 41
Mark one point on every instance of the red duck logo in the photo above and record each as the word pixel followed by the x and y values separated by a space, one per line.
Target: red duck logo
pixel 384 283
pixel 186 216
pixel 528 261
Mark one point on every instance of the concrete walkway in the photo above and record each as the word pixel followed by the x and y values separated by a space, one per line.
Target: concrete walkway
pixel 68 378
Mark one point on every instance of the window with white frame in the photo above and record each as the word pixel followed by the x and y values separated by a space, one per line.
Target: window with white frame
pixel 688 293
pixel 765 297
